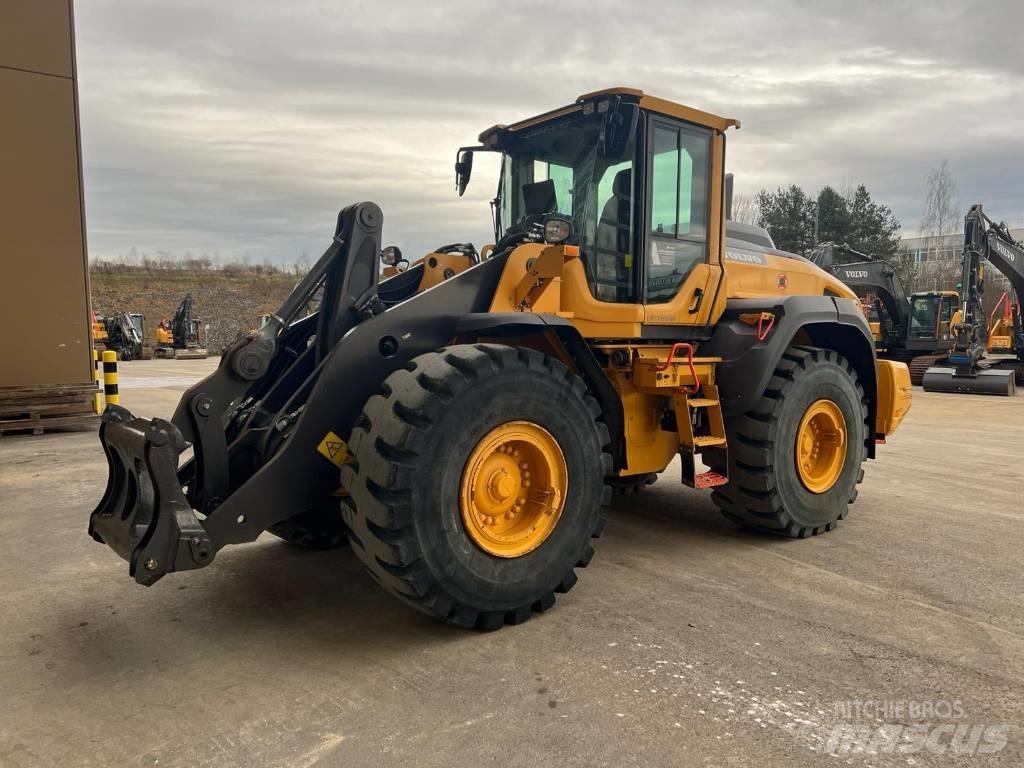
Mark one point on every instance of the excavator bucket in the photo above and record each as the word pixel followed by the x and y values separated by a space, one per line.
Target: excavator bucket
pixel 983 381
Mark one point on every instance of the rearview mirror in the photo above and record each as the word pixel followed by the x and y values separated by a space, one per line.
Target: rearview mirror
pixel 619 129
pixel 463 169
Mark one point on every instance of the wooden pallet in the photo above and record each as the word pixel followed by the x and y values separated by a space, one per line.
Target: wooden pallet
pixel 36 410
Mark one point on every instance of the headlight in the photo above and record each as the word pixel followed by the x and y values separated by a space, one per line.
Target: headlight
pixel 391 255
pixel 557 231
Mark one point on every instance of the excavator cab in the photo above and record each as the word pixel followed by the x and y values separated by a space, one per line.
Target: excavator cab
pixel 932 315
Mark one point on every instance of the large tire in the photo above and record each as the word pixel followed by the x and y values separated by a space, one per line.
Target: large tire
pixel 318 529
pixel 765 490
pixel 411 446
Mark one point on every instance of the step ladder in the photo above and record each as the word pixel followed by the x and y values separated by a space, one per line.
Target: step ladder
pixel 701 426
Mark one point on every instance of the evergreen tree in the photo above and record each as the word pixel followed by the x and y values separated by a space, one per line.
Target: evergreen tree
pixel 788 215
pixel 833 217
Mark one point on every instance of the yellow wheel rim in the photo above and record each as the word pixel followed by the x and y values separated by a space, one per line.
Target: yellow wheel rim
pixel 513 489
pixel 821 446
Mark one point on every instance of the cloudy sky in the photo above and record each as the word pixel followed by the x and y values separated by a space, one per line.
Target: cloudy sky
pixel 240 127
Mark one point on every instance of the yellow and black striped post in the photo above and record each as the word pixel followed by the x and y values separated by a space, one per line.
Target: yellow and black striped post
pixel 98 376
pixel 110 377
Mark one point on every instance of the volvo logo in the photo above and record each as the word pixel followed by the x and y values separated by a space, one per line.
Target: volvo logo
pixel 852 274
pixel 748 258
pixel 1003 250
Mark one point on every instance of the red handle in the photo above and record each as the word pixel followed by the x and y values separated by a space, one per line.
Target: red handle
pixel 689 361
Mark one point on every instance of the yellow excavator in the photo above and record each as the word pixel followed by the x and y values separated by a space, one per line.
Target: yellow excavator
pixel 182 338
pixel 461 421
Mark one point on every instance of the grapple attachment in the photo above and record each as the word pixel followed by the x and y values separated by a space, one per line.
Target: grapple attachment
pixel 144 515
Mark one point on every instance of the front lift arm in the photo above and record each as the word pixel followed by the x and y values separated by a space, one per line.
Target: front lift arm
pixel 256 424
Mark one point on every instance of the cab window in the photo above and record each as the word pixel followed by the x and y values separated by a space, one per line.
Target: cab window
pixel 680 190
pixel 612 276
pixel 947 310
pixel 561 175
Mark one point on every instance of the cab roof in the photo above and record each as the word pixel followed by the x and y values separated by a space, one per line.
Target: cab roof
pixel 634 95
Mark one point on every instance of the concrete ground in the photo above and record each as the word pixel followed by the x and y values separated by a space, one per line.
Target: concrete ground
pixel 686 642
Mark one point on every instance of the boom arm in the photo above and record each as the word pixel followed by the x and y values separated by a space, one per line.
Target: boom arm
pixel 181 326
pixel 875 274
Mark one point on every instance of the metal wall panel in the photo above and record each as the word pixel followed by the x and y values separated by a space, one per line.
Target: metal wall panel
pixel 35 35
pixel 44 304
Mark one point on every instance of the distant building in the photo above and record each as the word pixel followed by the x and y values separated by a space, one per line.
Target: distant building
pixel 938 263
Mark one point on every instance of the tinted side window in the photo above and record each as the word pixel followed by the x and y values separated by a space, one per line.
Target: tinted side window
pixel 680 181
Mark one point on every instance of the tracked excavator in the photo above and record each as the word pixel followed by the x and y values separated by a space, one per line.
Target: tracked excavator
pixel 460 421
pixel 916 329
pixel 124 335
pixel 182 338
pixel 968 370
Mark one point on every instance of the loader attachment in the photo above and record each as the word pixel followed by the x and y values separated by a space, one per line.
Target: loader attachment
pixel 144 515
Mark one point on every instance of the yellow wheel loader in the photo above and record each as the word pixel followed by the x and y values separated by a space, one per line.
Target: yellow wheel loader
pixel 470 412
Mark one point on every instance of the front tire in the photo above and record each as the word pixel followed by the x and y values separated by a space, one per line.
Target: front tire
pixel 796 458
pixel 437 505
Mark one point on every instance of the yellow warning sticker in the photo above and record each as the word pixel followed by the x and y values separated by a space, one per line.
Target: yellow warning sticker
pixel 334 449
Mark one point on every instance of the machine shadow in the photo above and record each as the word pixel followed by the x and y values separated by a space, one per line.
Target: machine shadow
pixel 672 511
pixel 257 599
pixel 264 595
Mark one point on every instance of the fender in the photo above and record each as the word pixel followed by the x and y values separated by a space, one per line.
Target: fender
pixel 512 324
pixel 821 321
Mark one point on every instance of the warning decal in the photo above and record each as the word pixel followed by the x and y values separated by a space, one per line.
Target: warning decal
pixel 333 448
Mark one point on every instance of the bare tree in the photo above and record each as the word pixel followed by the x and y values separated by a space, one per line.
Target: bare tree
pixel 941 208
pixel 941 218
pixel 745 209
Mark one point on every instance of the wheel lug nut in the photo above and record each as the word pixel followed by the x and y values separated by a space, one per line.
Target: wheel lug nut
pixel 526 483
pixel 520 501
pixel 524 465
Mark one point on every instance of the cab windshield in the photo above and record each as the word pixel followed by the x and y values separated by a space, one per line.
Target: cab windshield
pixel 924 313
pixel 594 192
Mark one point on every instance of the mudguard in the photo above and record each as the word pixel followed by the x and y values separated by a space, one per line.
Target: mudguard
pixel 511 324
pixel 822 321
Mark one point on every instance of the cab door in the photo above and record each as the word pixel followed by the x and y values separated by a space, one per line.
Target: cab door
pixel 944 328
pixel 682 226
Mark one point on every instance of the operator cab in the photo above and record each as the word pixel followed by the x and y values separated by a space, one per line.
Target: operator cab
pixel 633 185
pixel 931 315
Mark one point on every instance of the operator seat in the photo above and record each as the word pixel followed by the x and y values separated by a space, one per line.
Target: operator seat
pixel 611 273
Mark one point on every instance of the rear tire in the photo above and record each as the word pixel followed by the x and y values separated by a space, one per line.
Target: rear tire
pixel 414 446
pixel 766 490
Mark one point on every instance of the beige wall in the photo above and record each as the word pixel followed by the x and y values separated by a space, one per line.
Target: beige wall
pixel 44 307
